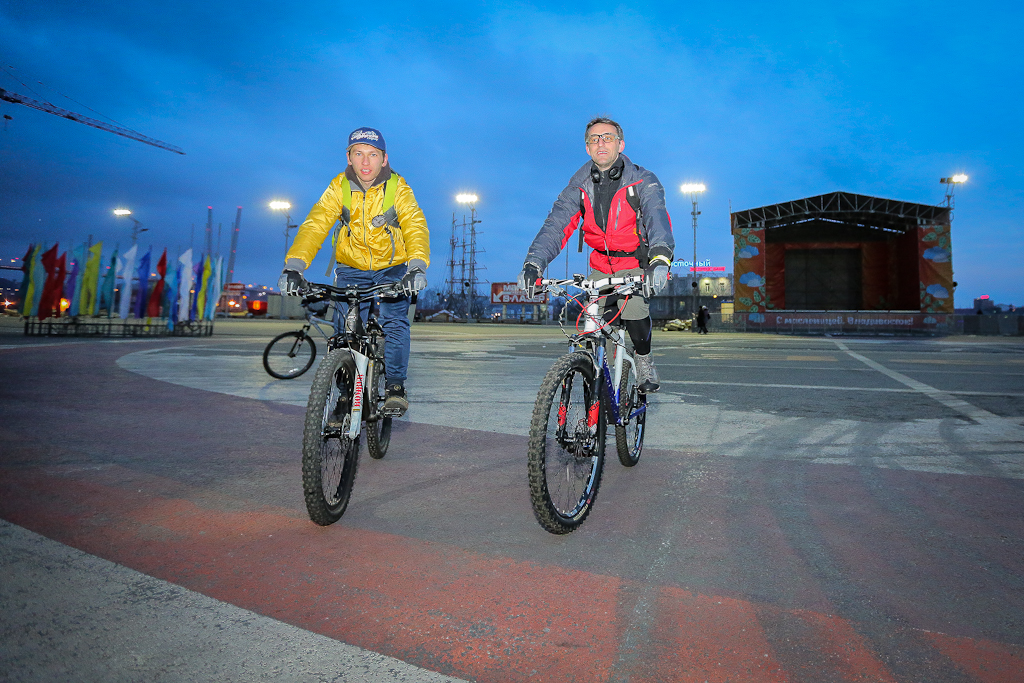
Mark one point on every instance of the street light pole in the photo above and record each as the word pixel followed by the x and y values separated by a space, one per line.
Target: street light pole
pixel 137 228
pixel 693 189
pixel 951 184
pixel 283 207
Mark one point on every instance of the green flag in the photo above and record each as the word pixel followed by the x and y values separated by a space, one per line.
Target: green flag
pixel 89 304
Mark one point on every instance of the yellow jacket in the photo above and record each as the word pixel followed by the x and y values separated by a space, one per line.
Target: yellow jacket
pixel 360 244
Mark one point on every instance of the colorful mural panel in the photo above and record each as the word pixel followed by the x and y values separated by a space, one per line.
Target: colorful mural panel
pixel 935 265
pixel 749 271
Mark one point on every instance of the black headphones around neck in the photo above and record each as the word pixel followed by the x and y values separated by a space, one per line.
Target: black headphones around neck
pixel 614 173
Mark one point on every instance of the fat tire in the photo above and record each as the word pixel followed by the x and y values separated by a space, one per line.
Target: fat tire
pixel 574 367
pixel 336 371
pixel 629 440
pixel 281 346
pixel 378 433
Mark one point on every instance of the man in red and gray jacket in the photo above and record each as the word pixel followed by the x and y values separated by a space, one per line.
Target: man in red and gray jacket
pixel 622 210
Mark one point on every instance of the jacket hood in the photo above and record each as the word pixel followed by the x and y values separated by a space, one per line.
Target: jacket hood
pixel 353 177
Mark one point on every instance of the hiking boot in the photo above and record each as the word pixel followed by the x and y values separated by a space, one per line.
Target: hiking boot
pixel 395 403
pixel 646 374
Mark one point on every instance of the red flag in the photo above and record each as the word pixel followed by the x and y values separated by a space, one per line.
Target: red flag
pixel 50 288
pixel 153 308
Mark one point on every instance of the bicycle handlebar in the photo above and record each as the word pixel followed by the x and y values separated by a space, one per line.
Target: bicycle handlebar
pixel 314 291
pixel 624 284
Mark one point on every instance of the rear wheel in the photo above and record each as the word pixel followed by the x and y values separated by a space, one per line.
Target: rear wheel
pixel 329 457
pixel 288 355
pixel 629 438
pixel 566 448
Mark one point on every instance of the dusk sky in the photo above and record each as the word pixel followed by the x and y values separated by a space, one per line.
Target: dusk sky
pixel 762 102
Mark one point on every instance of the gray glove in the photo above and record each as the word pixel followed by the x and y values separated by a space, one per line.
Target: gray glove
pixel 415 279
pixel 291 282
pixel 655 278
pixel 528 279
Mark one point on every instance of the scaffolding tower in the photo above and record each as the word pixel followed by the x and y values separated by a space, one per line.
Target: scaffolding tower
pixel 461 291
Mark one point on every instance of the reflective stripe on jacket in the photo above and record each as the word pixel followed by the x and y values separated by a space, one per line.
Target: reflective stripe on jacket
pixel 361 244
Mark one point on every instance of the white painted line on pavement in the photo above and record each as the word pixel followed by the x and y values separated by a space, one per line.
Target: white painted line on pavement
pixel 945 398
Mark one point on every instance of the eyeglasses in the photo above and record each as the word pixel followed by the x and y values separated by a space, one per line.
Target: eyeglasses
pixel 603 137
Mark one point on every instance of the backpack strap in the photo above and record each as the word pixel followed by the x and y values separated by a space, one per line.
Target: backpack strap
pixel 583 214
pixel 642 249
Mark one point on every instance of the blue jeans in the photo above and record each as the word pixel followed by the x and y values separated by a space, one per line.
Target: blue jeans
pixel 393 317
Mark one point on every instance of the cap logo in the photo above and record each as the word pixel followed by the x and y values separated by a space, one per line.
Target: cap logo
pixel 365 135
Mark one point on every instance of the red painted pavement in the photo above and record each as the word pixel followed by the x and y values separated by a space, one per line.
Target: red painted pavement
pixel 440 607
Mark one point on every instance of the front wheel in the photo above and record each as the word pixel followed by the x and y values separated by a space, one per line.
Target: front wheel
pixel 289 354
pixel 629 437
pixel 329 456
pixel 566 448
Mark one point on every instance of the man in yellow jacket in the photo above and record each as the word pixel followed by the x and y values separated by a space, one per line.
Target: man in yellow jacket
pixel 381 236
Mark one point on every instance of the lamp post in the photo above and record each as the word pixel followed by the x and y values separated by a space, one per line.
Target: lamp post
pixel 283 207
pixel 469 283
pixel 951 183
pixel 693 189
pixel 137 228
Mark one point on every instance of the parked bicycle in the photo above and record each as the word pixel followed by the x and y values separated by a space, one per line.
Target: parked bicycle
pixel 578 397
pixel 290 354
pixel 347 396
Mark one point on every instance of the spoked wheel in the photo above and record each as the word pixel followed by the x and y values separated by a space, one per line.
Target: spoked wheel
pixel 378 432
pixel 629 439
pixel 329 457
pixel 566 451
pixel 288 355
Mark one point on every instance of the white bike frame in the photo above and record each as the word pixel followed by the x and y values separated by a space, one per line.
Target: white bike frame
pixel 595 321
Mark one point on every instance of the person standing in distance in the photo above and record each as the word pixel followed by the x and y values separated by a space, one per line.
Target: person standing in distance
pixel 380 236
pixel 620 207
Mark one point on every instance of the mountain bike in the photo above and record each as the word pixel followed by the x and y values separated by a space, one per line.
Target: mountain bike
pixel 290 354
pixel 348 392
pixel 579 396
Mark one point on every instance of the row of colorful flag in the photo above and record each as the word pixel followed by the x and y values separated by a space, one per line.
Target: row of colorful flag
pixel 190 292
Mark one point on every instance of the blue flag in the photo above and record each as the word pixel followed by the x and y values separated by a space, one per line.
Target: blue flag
pixel 109 283
pixel 143 275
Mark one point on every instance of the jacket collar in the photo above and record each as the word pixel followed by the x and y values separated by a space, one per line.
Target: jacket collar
pixel 382 177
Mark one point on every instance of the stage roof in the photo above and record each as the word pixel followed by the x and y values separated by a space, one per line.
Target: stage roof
pixel 845 208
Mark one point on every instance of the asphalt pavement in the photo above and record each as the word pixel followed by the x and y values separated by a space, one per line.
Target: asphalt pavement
pixel 806 509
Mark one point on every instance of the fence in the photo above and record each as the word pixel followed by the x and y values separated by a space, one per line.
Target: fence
pixel 863 323
pixel 116 327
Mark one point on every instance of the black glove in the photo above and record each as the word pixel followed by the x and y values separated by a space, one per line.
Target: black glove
pixel 655 277
pixel 415 279
pixel 291 282
pixel 528 279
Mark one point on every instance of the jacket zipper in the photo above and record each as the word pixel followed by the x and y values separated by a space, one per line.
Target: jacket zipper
pixel 369 252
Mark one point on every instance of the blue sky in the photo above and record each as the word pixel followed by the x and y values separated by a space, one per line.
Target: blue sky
pixel 763 102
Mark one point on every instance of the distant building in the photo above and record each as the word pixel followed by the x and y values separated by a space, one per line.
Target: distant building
pixel 680 299
pixel 984 304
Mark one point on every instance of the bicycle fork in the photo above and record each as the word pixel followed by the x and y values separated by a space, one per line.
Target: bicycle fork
pixel 356 418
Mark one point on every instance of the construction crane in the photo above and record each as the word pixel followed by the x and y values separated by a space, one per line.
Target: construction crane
pixel 15 98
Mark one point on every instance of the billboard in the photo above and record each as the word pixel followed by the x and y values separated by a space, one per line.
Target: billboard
pixel 509 293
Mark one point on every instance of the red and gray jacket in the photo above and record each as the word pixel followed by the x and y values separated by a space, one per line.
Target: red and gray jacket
pixel 622 245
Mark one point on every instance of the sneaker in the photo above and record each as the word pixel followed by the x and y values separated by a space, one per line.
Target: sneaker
pixel 396 403
pixel 646 374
